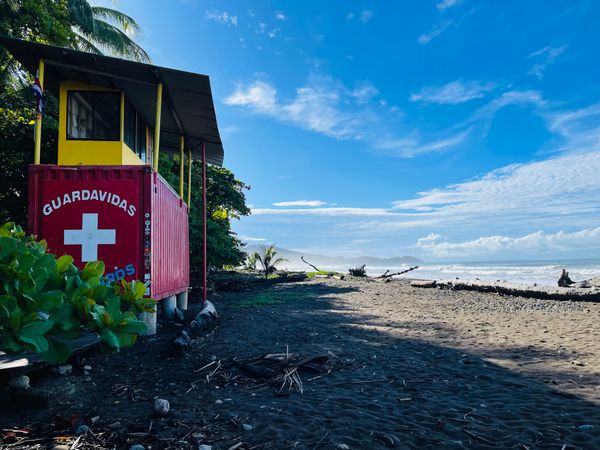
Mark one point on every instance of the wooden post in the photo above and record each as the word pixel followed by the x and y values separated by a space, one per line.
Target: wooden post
pixel 38 119
pixel 181 157
pixel 156 149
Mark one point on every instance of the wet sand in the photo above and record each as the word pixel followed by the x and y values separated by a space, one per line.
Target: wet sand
pixel 411 368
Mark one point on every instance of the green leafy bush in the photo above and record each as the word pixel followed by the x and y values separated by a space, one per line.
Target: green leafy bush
pixel 45 300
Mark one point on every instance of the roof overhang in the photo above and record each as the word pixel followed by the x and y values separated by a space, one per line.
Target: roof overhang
pixel 188 109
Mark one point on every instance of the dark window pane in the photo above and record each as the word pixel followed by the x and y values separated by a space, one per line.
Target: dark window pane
pixel 107 122
pixel 140 144
pixel 93 115
pixel 129 126
pixel 80 107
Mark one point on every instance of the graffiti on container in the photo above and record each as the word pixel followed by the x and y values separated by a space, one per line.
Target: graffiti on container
pixel 88 195
pixel 119 274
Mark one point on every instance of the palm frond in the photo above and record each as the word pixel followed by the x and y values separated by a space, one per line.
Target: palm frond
pixel 123 21
pixel 85 45
pixel 108 36
pixel 82 15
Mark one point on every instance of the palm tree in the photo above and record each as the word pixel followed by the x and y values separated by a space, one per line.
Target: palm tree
pixel 268 260
pixel 251 260
pixel 105 30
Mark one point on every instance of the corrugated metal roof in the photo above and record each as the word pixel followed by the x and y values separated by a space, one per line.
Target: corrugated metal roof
pixel 188 106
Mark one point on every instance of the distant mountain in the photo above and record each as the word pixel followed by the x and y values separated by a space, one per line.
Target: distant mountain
pixel 333 262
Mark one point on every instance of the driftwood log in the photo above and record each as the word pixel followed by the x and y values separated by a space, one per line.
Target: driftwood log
pixel 305 261
pixel 387 273
pixel 591 293
pixel 565 280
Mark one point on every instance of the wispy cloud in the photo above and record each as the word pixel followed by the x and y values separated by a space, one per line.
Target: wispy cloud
pixel 252 239
pixel 301 203
pixel 454 92
pixel 536 243
pixel 437 29
pixel 280 16
pixel 365 15
pixel 328 107
pixel 223 17
pixel 332 212
pixel 364 92
pixel 544 58
pixel 445 4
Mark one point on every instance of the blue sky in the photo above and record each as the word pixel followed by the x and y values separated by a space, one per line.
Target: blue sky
pixel 444 129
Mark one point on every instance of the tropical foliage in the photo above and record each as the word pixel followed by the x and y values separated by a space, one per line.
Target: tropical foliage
pixel 72 23
pixel 45 300
pixel 268 260
pixel 251 261
pixel 225 200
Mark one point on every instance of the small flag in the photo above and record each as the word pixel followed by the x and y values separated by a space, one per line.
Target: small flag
pixel 39 95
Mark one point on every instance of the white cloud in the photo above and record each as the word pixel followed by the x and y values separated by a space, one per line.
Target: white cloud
pixel 545 57
pixel 317 106
pixel 350 16
pixel 438 29
pixel 260 96
pixel 429 239
pixel 454 92
pixel 365 15
pixel 364 93
pixel 332 212
pixel 252 239
pixel 410 147
pixel 327 107
pixel 301 203
pixel 274 32
pixel 445 4
pixel 222 17
pixel 559 188
pixel 535 243
pixel 280 16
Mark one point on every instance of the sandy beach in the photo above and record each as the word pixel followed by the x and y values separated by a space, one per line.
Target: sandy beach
pixel 410 368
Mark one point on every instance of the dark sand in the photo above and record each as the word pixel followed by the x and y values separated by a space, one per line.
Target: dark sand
pixel 417 368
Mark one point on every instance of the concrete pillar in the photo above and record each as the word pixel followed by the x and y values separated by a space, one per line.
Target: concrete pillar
pixel 168 307
pixel 182 301
pixel 150 320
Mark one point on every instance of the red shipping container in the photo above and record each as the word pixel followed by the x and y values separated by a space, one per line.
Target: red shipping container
pixel 126 216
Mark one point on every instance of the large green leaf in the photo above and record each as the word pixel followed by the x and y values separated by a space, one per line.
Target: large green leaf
pixel 63 263
pixel 110 339
pixel 58 352
pixel 33 334
pixel 93 269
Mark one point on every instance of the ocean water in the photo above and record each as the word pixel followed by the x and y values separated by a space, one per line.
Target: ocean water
pixel 543 273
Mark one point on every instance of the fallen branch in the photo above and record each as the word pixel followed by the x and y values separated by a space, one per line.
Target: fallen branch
pixel 314 267
pixel 387 273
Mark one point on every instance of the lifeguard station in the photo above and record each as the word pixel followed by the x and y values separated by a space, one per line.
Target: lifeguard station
pixel 104 199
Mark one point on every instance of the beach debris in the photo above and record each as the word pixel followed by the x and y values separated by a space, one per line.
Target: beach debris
pixel 82 429
pixel 585 427
pixel 218 402
pixel 342 447
pixel 305 261
pixel 565 280
pixel 63 369
pixel 358 271
pixel 204 320
pixel 161 407
pixel 387 273
pixel 137 447
pixel 204 447
pixel 247 427
pixel 388 439
pixel 19 382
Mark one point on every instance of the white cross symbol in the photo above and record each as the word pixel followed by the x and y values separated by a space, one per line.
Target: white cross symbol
pixel 89 237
